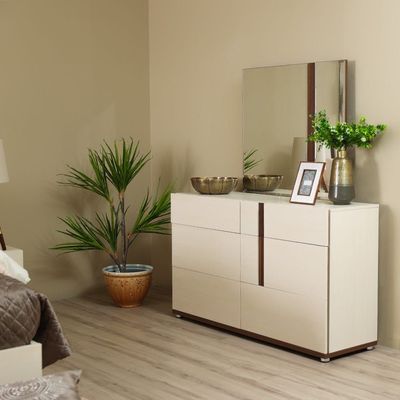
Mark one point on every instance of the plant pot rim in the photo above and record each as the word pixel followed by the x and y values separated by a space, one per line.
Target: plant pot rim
pixel 132 270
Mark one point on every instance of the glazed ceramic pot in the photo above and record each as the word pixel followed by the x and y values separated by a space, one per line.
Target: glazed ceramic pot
pixel 128 289
pixel 341 187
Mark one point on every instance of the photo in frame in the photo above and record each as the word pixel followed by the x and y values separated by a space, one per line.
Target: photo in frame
pixel 307 182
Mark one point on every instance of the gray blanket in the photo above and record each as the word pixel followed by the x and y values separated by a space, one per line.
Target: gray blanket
pixel 25 316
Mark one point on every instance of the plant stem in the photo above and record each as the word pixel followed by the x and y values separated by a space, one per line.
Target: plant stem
pixel 116 262
pixel 123 230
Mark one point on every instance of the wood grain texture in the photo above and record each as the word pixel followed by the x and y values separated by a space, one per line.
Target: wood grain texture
pixel 148 354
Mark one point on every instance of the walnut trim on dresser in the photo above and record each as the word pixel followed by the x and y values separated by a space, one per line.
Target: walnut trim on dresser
pixel 310 109
pixel 261 244
pixel 279 343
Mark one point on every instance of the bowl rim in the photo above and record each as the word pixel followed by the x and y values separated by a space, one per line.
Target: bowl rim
pixel 216 178
pixel 255 176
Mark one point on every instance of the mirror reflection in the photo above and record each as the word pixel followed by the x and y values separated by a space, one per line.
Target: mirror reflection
pixel 277 104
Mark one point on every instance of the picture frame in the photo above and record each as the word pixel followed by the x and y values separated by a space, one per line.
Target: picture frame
pixel 307 182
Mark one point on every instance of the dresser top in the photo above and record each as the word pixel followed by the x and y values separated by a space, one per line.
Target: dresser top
pixel 277 199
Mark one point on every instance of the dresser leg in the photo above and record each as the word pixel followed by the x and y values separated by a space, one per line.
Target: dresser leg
pixel 325 359
pixel 369 348
pixel 178 315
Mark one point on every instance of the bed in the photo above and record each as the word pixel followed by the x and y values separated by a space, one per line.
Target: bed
pixel 28 325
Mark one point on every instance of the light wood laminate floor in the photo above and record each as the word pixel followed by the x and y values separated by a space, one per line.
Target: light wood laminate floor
pixel 147 353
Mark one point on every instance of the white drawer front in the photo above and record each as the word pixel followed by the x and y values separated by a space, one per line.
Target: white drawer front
pixel 249 218
pixel 290 318
pixel 207 251
pixel 296 267
pixel 298 223
pixel 286 221
pixel 290 266
pixel 213 298
pixel 213 212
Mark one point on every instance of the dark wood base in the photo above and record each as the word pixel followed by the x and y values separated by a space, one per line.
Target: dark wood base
pixel 322 356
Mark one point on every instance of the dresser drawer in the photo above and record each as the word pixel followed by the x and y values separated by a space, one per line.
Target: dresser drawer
pixel 211 212
pixel 207 251
pixel 286 221
pixel 296 267
pixel 213 298
pixel 287 317
pixel 289 266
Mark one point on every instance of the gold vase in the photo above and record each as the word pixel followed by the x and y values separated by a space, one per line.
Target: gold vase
pixel 341 187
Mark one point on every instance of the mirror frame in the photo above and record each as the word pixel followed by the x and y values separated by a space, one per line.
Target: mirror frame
pixel 311 103
pixel 343 76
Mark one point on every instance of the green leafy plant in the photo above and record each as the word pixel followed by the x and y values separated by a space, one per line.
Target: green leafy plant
pixel 249 162
pixel 343 135
pixel 113 168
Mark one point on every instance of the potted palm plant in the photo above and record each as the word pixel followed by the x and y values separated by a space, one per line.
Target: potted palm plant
pixel 341 137
pixel 113 169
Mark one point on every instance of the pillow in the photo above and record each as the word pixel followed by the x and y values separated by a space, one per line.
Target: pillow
pixel 10 267
pixel 51 387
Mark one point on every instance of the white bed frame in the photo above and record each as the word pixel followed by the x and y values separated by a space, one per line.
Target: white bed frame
pixel 21 363
pixel 24 362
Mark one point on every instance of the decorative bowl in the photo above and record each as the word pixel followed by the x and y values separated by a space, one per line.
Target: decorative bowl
pixel 214 184
pixel 262 183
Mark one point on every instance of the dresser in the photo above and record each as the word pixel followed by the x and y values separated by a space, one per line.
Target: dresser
pixel 298 276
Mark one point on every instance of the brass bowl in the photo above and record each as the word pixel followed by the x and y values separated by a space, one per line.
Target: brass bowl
pixel 214 184
pixel 262 183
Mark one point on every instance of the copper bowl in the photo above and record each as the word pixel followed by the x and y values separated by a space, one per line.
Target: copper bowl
pixel 262 183
pixel 214 184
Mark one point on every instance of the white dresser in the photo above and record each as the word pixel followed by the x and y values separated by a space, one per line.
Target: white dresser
pixel 299 276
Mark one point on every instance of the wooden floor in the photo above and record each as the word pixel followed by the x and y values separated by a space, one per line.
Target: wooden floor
pixel 147 354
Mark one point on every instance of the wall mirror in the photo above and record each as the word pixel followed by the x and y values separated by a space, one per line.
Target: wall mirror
pixel 277 104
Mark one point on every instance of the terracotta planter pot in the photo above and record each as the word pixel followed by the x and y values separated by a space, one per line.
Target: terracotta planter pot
pixel 128 289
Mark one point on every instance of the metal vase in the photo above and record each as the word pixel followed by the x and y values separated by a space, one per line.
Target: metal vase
pixel 341 188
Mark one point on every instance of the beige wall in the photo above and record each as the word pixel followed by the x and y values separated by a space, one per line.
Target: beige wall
pixel 197 52
pixel 72 73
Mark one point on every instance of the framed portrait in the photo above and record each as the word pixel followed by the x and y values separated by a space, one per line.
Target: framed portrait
pixel 307 183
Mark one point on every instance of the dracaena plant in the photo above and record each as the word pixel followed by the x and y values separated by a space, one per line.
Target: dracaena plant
pixel 249 161
pixel 113 169
pixel 343 135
